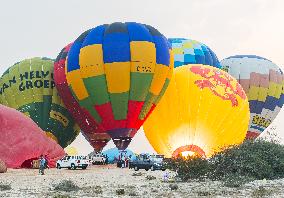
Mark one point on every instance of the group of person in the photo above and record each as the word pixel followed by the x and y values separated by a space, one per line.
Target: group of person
pixel 43 164
pixel 123 160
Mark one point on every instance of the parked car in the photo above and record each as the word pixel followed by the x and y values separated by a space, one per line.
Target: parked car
pixel 98 159
pixel 158 162
pixel 154 162
pixel 72 162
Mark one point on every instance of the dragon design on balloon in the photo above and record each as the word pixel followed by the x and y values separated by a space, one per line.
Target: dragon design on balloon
pixel 220 83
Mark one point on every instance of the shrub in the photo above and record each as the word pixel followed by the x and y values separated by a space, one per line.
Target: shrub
pixel 98 190
pixel 253 159
pixel 61 196
pixel 235 181
pixel 120 191
pixel 150 177
pixel 189 168
pixel 235 165
pixel 262 192
pixel 137 174
pixel 67 186
pixel 5 187
pixel 173 186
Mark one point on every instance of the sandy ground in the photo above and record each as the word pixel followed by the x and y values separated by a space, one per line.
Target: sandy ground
pixel 104 181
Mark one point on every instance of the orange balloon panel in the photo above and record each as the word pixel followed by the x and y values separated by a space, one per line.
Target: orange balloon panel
pixel 203 110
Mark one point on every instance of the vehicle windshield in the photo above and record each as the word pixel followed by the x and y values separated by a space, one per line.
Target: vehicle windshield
pixel 157 158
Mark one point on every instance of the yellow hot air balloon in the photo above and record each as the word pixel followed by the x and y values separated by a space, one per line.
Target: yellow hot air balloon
pixel 203 110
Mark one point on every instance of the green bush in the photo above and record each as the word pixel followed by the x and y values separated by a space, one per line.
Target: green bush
pixel 262 192
pixel 61 196
pixel 5 187
pixel 120 191
pixel 66 185
pixel 252 160
pixel 235 181
pixel 189 168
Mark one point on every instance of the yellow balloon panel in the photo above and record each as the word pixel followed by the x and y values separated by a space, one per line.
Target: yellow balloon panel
pixel 203 110
pixel 70 150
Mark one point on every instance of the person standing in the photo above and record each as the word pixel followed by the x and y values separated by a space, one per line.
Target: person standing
pixel 41 165
pixel 106 160
pixel 126 161
pixel 46 162
pixel 122 161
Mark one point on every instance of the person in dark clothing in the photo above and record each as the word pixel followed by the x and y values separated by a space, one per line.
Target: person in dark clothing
pixel 46 162
pixel 41 165
pixel 106 161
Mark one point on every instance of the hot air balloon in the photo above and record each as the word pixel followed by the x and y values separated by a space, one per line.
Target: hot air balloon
pixel 114 154
pixel 93 133
pixel 188 51
pixel 28 86
pixel 71 150
pixel 118 73
pixel 263 83
pixel 203 110
pixel 22 141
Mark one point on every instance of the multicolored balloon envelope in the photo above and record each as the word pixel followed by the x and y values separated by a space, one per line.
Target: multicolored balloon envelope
pixel 263 83
pixel 187 51
pixel 22 141
pixel 203 110
pixel 93 133
pixel 28 86
pixel 118 73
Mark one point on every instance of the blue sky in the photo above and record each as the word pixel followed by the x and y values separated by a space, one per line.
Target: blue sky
pixel 41 28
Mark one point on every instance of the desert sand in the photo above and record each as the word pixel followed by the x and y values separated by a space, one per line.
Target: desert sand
pixel 104 181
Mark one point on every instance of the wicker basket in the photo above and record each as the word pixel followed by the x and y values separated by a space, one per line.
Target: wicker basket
pixel 3 167
pixel 35 164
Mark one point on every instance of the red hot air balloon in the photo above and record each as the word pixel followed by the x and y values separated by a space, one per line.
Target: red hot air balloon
pixel 93 133
pixel 22 141
pixel 118 74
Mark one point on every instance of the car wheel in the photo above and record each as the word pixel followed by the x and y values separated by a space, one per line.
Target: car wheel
pixel 152 168
pixel 84 167
pixel 163 169
pixel 146 169
pixel 73 167
pixel 136 168
pixel 58 166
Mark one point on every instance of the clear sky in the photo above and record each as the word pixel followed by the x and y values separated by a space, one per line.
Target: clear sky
pixel 32 28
